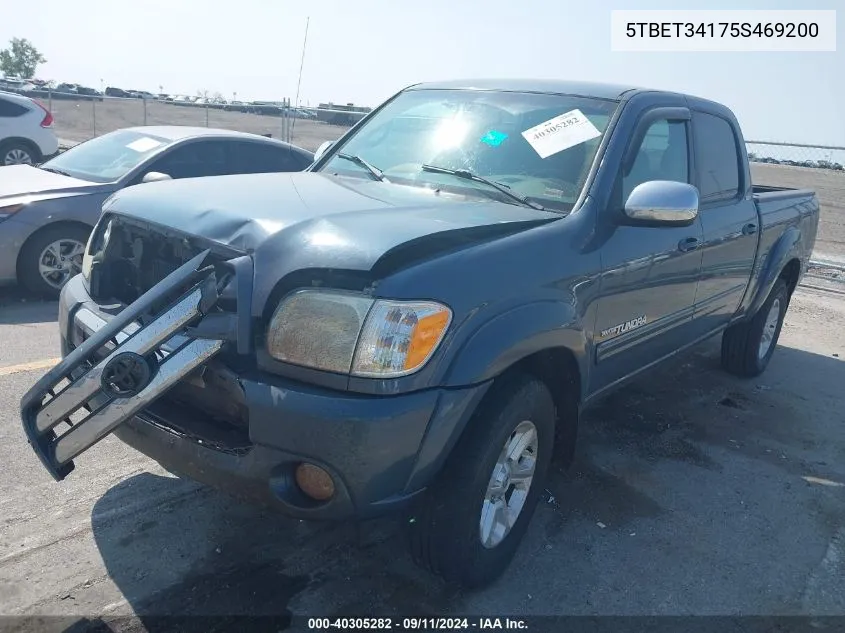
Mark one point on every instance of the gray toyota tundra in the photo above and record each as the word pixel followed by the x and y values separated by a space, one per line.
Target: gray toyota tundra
pixel 415 322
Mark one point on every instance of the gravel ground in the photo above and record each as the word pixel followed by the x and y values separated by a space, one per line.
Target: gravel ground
pixel 693 493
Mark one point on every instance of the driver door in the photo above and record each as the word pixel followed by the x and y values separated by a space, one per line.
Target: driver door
pixel 649 274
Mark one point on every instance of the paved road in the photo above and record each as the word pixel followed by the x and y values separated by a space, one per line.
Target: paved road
pixel 693 493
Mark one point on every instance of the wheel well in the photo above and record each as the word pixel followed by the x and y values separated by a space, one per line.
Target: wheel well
pixel 558 369
pixel 22 141
pixel 48 227
pixel 790 274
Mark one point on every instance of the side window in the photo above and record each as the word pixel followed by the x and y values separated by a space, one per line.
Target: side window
pixel 258 158
pixel 716 158
pixel 663 154
pixel 194 160
pixel 9 109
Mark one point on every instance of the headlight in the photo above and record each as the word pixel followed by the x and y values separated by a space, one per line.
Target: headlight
pixel 347 333
pixel 96 244
pixel 9 210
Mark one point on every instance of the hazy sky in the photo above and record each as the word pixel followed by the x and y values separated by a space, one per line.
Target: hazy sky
pixel 362 51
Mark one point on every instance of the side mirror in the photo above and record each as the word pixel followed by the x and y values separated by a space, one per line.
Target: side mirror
pixel 324 147
pixel 155 176
pixel 662 203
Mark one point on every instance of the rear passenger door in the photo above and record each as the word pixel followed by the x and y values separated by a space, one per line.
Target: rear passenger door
pixel 259 158
pixel 194 160
pixel 728 218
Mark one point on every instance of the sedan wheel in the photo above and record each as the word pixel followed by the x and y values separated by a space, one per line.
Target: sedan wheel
pixel 59 261
pixel 17 156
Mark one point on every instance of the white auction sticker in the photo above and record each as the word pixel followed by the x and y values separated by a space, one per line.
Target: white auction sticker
pixel 560 133
pixel 144 144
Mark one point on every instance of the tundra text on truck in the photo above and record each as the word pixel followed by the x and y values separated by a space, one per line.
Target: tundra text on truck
pixel 415 322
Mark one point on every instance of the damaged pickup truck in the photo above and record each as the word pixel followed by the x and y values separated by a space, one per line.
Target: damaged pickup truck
pixel 415 323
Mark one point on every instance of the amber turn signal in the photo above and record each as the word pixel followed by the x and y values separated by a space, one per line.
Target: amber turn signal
pixel 314 482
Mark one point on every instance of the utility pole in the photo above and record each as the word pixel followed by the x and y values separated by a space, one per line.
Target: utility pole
pixel 299 80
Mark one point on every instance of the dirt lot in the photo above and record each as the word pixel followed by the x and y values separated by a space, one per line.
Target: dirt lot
pixel 76 120
pixel 693 493
pixel 830 189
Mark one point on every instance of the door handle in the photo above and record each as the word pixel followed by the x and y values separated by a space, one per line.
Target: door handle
pixel 749 229
pixel 689 244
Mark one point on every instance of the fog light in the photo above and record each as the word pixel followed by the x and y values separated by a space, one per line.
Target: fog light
pixel 314 482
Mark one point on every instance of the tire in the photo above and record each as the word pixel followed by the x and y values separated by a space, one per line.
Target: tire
pixel 68 236
pixel 18 153
pixel 445 528
pixel 747 347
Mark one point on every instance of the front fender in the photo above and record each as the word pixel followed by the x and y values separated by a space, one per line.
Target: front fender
pixel 514 335
pixel 787 247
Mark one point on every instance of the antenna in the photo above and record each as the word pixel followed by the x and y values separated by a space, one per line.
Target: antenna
pixel 299 80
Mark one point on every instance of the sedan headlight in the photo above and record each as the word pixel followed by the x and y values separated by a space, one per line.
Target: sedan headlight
pixel 352 334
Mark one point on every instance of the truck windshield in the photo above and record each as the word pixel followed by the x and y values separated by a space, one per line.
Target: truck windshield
pixel 539 146
pixel 108 157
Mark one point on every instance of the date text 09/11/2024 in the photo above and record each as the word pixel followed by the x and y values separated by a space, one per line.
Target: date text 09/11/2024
pixel 416 624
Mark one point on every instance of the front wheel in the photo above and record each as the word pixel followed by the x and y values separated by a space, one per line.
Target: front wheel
pixel 470 522
pixel 50 258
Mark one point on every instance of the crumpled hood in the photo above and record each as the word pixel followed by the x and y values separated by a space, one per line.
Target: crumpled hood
pixel 350 221
pixel 18 181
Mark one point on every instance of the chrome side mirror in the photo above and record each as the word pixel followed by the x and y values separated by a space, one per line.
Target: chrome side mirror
pixel 324 147
pixel 663 202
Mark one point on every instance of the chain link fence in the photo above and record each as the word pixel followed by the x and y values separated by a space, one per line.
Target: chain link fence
pixel 830 157
pixel 79 118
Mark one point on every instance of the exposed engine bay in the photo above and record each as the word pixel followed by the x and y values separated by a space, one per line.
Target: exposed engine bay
pixel 130 258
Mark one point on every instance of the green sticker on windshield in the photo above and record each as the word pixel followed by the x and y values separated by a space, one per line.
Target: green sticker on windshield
pixel 494 138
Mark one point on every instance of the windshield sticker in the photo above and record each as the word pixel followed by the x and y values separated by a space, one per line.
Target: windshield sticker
pixel 553 193
pixel 560 133
pixel 494 138
pixel 144 144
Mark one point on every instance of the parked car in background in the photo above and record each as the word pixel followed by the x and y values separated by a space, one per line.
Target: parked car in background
pixel 47 212
pixel 111 91
pixel 65 88
pixel 26 131
pixel 415 323
pixel 15 84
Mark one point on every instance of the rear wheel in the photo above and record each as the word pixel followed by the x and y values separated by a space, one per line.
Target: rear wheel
pixel 18 153
pixel 747 347
pixel 469 524
pixel 51 257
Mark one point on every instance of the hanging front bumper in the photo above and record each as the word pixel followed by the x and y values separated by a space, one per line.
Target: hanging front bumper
pixel 121 369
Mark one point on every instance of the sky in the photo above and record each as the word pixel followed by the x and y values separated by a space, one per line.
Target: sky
pixel 364 51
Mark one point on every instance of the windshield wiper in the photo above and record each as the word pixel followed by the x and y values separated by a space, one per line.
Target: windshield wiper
pixel 501 188
pixel 375 172
pixel 53 170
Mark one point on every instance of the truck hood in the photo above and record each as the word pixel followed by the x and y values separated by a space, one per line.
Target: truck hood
pixel 351 221
pixel 23 181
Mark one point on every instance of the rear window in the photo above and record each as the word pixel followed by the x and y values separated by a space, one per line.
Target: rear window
pixel 717 158
pixel 11 109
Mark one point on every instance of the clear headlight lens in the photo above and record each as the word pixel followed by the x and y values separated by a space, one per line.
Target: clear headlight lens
pixel 347 333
